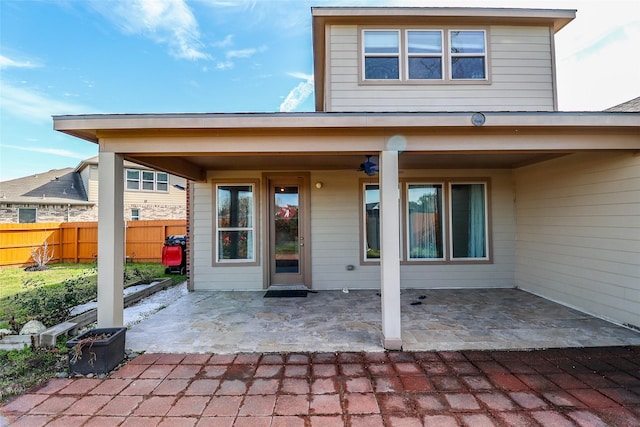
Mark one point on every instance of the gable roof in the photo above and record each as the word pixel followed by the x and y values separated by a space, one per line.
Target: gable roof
pixel 556 19
pixel 57 186
pixel 631 106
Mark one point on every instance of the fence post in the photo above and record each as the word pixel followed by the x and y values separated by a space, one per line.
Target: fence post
pixel 76 246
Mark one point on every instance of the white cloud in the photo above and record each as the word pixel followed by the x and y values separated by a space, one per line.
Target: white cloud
pixel 53 151
pixel 226 65
pixel 32 106
pixel 245 53
pixel 298 94
pixel 301 76
pixel 226 42
pixel 6 62
pixel 230 3
pixel 169 22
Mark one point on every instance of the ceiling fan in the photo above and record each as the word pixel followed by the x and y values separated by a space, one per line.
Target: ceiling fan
pixel 370 167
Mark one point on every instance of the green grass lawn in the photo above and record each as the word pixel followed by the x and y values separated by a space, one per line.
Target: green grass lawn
pixel 13 278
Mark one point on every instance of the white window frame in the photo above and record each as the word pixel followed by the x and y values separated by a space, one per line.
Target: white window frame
pixel 162 182
pixel 127 179
pixel 141 180
pixel 147 177
pixel 409 55
pixel 398 55
pixel 452 55
pixel 135 214
pixel 253 229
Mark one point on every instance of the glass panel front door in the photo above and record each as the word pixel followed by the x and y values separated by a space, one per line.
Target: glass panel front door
pixel 286 231
pixel 287 216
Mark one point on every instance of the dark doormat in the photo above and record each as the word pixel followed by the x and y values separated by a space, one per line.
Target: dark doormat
pixel 286 293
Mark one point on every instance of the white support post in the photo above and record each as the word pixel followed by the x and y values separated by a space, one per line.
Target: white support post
pixel 110 240
pixel 390 251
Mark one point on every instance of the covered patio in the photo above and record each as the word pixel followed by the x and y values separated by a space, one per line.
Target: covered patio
pixel 329 321
pixel 555 219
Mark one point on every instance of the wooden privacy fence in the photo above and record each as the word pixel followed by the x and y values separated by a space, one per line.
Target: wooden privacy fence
pixel 78 241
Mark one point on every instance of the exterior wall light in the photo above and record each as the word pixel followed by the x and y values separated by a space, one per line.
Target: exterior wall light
pixel 477 119
pixel 319 184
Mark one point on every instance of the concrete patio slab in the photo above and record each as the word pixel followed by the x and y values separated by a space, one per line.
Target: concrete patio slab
pixel 327 321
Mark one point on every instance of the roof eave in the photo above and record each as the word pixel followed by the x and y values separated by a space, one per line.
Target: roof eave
pixel 91 126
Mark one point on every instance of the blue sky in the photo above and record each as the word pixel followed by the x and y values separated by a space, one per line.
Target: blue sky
pixel 158 56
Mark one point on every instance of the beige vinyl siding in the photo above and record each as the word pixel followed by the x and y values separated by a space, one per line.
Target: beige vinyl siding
pixel 579 233
pixel 205 276
pixel 335 232
pixel 90 181
pixel 174 196
pixel 84 177
pixel 521 78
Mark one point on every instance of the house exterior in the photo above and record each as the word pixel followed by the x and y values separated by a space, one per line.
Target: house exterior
pixel 71 195
pixel 436 158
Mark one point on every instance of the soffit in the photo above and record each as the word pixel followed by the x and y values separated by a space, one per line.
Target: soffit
pixel 341 162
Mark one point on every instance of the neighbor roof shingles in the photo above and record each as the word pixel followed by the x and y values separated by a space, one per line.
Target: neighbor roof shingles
pixel 53 187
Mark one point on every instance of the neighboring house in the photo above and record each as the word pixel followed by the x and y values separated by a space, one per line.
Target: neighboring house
pixel 631 106
pixel 71 195
pixel 54 196
pixel 436 158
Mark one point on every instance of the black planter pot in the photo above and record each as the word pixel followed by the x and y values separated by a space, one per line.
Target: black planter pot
pixel 88 355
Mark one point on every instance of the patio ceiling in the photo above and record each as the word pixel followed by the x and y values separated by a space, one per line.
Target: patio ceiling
pixel 335 161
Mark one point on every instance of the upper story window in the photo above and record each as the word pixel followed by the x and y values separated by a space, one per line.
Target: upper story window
pixel 424 55
pixel 381 55
pixel 147 180
pixel 468 54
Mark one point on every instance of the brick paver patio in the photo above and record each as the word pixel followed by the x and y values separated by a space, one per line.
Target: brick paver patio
pixel 563 387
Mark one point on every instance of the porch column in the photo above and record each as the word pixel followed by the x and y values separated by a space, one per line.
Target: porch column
pixel 390 250
pixel 110 240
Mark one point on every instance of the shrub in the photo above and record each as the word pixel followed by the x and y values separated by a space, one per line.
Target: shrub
pixel 52 304
pixel 139 274
pixel 41 256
